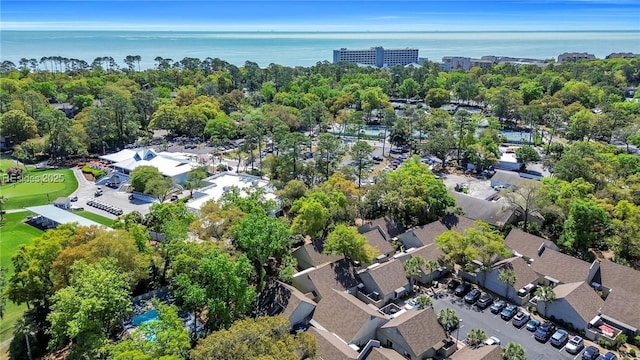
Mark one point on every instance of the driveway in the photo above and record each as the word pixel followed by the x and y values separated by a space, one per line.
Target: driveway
pixel 493 325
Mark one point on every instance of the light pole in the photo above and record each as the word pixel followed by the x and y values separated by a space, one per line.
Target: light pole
pixel 458 332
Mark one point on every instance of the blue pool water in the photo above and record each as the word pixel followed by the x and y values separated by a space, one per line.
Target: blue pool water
pixel 150 315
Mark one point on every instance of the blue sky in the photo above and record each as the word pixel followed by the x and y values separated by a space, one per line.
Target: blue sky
pixel 306 15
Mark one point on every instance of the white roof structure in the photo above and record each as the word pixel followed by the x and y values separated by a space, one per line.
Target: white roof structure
pixel 167 163
pixel 61 216
pixel 224 182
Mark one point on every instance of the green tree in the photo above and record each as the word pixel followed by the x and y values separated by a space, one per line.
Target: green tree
pixel 547 295
pixel 484 152
pixel 16 126
pixel 508 277
pixel 311 216
pixel 527 154
pixel 465 128
pixel 588 225
pixel 262 237
pixel 400 133
pixel 196 178
pixel 345 240
pixel 514 351
pixel 329 154
pixel 626 231
pixel 165 339
pixel 292 191
pixel 361 155
pixel 424 301
pixel 476 337
pixel 89 309
pixel 439 143
pixel 413 268
pixel 143 175
pixel 260 338
pixel 409 88
pixel 448 318
pixel 436 97
pixel 220 128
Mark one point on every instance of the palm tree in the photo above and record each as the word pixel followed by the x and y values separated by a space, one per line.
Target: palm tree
pixel 476 337
pixel 513 351
pixel 424 302
pixel 413 268
pixel 546 294
pixel 448 319
pixel 508 277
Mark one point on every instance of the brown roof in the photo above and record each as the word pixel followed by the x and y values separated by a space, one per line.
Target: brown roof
pixel 491 352
pixel 622 306
pixel 492 212
pixel 329 347
pixel 616 276
pixel 377 240
pixel 561 267
pixel 390 227
pixel 280 298
pixel 428 252
pixel 336 275
pixel 426 234
pixel 343 314
pixel 524 273
pixel 314 249
pixel 582 298
pixel 389 276
pixel 526 244
pixel 384 354
pixel 420 329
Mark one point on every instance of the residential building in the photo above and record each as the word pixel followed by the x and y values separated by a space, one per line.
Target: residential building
pixel 414 334
pixel 557 268
pixel 524 276
pixel 576 303
pixel 625 55
pixel 282 299
pixel 225 182
pixel 526 245
pixel 507 179
pixel 456 63
pixel 381 353
pixel 389 227
pixel 376 56
pixel 575 56
pixel 496 213
pixel 330 347
pixel 310 255
pixel 349 318
pixel 424 235
pixel 429 252
pixel 319 281
pixel 377 239
pixel 383 283
pixel 487 352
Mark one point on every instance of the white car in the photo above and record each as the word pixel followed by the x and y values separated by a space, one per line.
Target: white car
pixel 492 341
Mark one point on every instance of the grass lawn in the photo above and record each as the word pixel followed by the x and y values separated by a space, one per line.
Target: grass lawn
pixel 33 190
pixel 13 233
pixel 95 217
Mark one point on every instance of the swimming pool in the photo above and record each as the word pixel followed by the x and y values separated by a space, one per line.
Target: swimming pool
pixel 150 315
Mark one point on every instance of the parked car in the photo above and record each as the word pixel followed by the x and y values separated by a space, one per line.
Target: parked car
pixel 472 296
pixel 509 312
pixel 544 332
pixel 452 284
pixel 559 338
pixel 497 306
pixel 533 324
pixel 492 341
pixel 73 198
pixel 591 353
pixel 575 345
pixel 484 301
pixel 521 318
pixel 608 356
pixel 462 289
pixel 378 158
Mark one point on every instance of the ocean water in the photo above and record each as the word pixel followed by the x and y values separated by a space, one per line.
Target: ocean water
pixel 303 48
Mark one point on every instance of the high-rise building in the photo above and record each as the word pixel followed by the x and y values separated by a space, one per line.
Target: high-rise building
pixel 377 56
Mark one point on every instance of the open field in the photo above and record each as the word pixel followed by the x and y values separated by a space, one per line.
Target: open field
pixel 95 217
pixel 13 233
pixel 38 187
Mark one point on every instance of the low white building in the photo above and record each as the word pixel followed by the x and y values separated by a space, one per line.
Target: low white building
pixel 173 165
pixel 225 182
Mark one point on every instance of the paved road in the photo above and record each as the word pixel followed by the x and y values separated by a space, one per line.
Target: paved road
pixel 472 318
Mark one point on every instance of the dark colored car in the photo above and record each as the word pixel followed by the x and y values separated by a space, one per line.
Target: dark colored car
pixel 608 356
pixel 377 158
pixel 509 312
pixel 533 324
pixel 591 353
pixel 462 289
pixel 484 301
pixel 497 306
pixel 453 283
pixel 544 332
pixel 520 319
pixel 472 296
pixel 559 338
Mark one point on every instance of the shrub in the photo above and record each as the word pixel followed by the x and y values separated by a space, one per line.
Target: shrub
pixel 632 352
pixel 620 340
pixel 97 173
pixel 14 174
pixel 605 343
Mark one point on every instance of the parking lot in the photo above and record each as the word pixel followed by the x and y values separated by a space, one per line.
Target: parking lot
pixel 494 325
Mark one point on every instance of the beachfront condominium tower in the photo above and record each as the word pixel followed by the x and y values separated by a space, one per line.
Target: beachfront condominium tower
pixel 377 56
